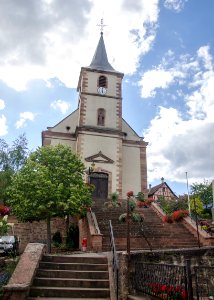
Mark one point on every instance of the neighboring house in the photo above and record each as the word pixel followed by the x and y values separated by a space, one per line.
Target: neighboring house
pixel 97 132
pixel 161 190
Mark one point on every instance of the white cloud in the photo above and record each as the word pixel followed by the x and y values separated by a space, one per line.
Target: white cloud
pixel 60 38
pixel 2 104
pixel 184 141
pixel 176 5
pixel 154 79
pixel 63 106
pixel 24 117
pixel 3 125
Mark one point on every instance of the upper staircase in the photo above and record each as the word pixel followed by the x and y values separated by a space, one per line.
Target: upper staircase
pixel 83 276
pixel 152 234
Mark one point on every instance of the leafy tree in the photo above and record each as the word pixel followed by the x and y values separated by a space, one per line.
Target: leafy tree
pixel 196 206
pixel 49 184
pixel 12 159
pixel 203 191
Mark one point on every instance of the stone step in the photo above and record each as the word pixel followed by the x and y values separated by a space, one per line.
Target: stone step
pixel 73 266
pixel 67 282
pixel 78 276
pixel 54 298
pixel 82 259
pixel 72 274
pixel 72 292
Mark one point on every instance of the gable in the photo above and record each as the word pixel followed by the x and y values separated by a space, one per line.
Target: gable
pixel 68 124
pixel 99 158
pixel 130 133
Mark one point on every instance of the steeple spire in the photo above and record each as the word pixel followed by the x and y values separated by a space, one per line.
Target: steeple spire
pixel 100 59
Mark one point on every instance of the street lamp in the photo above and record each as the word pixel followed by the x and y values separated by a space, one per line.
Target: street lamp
pixel 188 195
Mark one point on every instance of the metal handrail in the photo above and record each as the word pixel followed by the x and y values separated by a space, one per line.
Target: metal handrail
pixel 115 264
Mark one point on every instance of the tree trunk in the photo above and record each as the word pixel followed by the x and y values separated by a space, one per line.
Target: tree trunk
pixel 48 234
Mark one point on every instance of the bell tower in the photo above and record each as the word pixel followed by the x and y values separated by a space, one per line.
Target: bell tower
pixel 100 115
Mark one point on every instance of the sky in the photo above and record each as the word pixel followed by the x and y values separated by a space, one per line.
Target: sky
pixel 165 48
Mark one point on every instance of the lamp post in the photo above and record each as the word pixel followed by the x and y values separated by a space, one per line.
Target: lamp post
pixel 213 202
pixel 128 229
pixel 188 195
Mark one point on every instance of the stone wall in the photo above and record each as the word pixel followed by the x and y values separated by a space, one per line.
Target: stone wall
pixel 34 232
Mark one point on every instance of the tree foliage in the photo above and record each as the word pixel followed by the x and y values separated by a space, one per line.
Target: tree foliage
pixel 12 159
pixel 203 191
pixel 49 184
pixel 196 206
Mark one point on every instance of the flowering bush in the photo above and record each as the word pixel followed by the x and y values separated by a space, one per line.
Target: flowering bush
pixel 167 219
pixel 130 194
pixel 4 210
pixel 163 290
pixel 179 214
pixel 176 216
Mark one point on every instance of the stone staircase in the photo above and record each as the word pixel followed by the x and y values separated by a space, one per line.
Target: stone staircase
pixel 153 234
pixel 83 276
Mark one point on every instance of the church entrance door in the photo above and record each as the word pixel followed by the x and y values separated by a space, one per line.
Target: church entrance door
pixel 100 181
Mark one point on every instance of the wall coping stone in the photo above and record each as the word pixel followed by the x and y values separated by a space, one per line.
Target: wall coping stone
pixel 22 277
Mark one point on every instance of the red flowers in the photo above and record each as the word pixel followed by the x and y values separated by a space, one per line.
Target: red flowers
pixel 4 210
pixel 167 219
pixel 179 214
pixel 130 194
pixel 163 290
pixel 176 216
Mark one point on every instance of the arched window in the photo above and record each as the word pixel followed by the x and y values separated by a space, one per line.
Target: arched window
pixel 101 117
pixel 102 81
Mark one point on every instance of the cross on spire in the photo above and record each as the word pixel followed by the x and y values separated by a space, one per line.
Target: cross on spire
pixel 101 25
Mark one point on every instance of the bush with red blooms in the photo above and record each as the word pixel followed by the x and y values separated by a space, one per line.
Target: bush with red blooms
pixel 178 215
pixel 167 219
pixel 130 194
pixel 4 210
pixel 163 291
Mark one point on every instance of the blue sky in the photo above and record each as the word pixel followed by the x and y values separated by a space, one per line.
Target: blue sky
pixel 165 48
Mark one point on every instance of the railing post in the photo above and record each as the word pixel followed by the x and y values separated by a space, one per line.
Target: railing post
pixel 189 279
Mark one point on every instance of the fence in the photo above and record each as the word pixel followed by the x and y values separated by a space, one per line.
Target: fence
pixel 204 282
pixel 164 281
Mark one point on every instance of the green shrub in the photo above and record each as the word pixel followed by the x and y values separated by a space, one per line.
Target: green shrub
pixel 57 239
pixel 72 239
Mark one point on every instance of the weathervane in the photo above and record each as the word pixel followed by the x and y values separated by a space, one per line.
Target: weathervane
pixel 101 25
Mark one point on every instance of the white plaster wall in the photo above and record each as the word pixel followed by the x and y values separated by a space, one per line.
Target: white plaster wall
pixel 131 178
pixel 71 143
pixel 109 104
pixel 92 144
pixel 71 120
pixel 131 134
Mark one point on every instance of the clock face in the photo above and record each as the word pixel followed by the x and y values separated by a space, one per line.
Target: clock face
pixel 101 90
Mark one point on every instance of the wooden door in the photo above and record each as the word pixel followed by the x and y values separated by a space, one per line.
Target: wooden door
pixel 100 181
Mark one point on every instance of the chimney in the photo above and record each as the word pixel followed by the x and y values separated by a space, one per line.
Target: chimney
pixel 150 186
pixel 162 180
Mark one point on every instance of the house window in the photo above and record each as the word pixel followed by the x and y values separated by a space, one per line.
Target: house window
pixel 102 81
pixel 101 117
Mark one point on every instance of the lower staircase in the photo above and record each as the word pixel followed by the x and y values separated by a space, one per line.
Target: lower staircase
pixel 152 234
pixel 83 276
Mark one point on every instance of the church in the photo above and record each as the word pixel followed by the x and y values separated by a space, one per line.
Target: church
pixel 113 153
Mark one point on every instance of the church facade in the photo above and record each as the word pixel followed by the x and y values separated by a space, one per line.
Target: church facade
pixel 113 153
